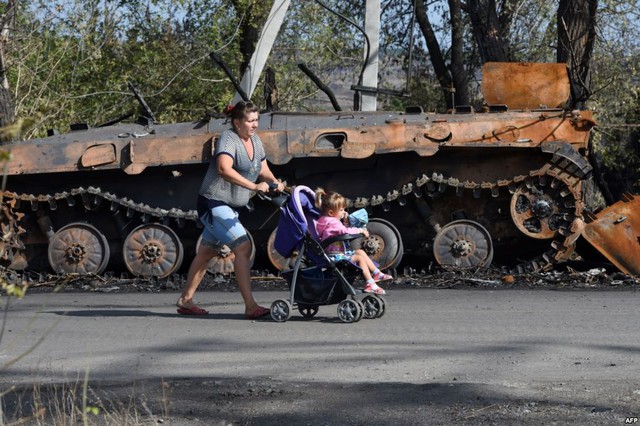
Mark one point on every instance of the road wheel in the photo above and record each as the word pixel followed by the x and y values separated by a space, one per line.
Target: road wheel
pixel 463 244
pixel 78 248
pixel 152 250
pixel 276 259
pixel 383 245
pixel 222 263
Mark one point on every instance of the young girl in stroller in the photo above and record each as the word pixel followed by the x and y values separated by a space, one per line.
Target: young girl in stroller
pixel 332 207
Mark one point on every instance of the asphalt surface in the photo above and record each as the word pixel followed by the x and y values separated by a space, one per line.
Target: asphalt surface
pixel 437 356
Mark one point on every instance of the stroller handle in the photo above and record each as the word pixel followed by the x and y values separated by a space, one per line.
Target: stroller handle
pixel 270 196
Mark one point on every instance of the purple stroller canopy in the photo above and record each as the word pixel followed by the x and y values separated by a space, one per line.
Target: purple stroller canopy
pixel 297 216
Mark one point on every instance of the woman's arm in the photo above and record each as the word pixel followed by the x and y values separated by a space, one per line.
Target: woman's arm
pixel 266 175
pixel 224 164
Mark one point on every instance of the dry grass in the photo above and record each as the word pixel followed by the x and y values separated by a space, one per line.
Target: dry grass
pixel 75 403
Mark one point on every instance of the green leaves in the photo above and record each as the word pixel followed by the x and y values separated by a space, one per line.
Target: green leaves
pixel 71 61
pixel 13 290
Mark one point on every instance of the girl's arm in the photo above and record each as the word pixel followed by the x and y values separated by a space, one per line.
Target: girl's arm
pixel 335 227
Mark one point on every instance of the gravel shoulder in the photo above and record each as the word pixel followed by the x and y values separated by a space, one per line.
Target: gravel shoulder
pixel 597 278
pixel 263 401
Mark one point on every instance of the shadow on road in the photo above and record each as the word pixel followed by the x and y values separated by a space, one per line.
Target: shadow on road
pixel 211 316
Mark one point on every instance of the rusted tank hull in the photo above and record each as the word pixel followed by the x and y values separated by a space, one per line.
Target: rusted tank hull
pixel 133 148
pixel 509 180
pixel 418 214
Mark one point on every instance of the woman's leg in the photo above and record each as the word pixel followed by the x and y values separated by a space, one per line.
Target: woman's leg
pixel 242 271
pixel 197 269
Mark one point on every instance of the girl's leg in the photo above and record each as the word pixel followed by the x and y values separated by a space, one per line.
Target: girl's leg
pixel 367 266
pixel 370 265
pixel 363 264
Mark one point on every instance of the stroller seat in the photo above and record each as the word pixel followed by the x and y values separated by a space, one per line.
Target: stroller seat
pixel 316 279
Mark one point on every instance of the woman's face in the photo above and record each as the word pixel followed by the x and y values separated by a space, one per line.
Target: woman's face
pixel 247 126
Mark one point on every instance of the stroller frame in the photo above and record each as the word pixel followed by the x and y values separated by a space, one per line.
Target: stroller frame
pixel 326 281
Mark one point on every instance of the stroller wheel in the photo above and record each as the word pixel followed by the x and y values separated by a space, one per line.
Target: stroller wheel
pixel 281 310
pixel 350 310
pixel 308 311
pixel 383 306
pixel 373 307
pixel 361 306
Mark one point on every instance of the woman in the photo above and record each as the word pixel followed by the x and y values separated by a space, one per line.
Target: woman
pixel 237 168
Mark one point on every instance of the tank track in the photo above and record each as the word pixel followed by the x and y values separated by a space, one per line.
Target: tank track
pixel 91 198
pixel 557 171
pixel 10 241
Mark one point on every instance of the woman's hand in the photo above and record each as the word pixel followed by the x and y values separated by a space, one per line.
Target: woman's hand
pixel 275 186
pixel 262 187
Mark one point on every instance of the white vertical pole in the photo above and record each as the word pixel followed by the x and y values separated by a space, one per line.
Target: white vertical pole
pixel 370 75
pixel 263 48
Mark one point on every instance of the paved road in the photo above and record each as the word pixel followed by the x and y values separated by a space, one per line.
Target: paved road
pixel 579 348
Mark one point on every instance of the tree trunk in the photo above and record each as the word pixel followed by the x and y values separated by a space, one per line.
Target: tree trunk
pixel 505 17
pixel 488 31
pixel 250 28
pixel 458 71
pixel 576 35
pixel 7 109
pixel 439 65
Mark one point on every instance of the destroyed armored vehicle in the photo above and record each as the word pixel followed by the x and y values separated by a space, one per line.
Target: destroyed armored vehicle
pixel 465 188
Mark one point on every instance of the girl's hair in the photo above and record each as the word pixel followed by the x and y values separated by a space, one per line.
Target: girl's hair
pixel 240 110
pixel 326 201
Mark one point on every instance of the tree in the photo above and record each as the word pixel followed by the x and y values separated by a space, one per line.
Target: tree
pixel 576 36
pixel 7 110
pixel 252 15
pixel 71 61
pixel 453 77
pixel 490 30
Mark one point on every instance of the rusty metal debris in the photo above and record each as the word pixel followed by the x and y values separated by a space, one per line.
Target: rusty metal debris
pixel 568 278
pixel 615 232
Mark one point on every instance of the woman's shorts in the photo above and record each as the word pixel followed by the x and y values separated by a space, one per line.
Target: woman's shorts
pixel 222 227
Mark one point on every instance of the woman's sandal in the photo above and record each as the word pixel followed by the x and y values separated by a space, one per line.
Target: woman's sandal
pixel 192 310
pixel 258 312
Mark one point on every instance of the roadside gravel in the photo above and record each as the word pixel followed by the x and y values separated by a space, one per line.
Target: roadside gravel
pixel 598 278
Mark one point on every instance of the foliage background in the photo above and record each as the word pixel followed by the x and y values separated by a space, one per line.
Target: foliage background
pixel 70 61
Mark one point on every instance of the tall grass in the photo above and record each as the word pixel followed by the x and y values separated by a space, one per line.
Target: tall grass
pixel 76 402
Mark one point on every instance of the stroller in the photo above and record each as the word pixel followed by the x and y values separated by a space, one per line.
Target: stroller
pixel 315 279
